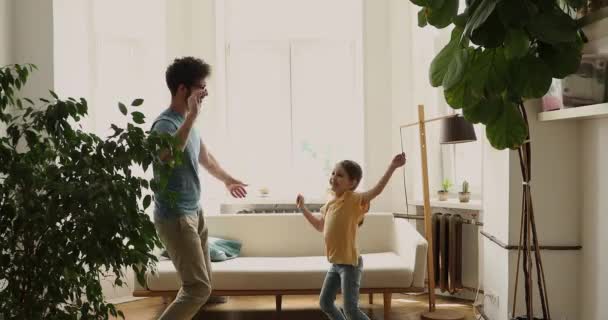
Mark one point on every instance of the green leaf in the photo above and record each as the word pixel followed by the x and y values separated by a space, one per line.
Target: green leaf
pixel 147 200
pixel 516 43
pixel 461 20
pixel 509 130
pixel 435 3
pixel 460 95
pixel 422 22
pixel 479 15
pixel 553 27
pixel 516 13
pixel 490 34
pixel 137 102
pixel 442 17
pixel 456 69
pixel 531 77
pixel 562 59
pixel 54 94
pixel 440 63
pixel 486 111
pixel 488 72
pixel 122 108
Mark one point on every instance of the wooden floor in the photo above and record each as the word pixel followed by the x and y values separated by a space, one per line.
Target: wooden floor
pixel 404 307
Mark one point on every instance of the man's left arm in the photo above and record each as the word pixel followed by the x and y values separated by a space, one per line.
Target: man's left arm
pixel 206 159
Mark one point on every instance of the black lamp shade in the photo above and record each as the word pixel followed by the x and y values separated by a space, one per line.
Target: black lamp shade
pixel 456 130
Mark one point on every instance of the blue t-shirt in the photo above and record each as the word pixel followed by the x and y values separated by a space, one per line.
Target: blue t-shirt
pixel 183 179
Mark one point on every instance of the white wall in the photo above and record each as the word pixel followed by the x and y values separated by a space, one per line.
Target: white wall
pixel 594 263
pixel 107 56
pixel 594 204
pixel 6 39
pixel 6 31
pixel 555 148
pixel 33 43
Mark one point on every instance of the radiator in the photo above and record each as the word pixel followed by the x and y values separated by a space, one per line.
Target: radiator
pixel 447 251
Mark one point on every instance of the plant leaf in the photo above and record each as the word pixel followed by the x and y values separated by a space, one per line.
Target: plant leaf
pixel 489 71
pixel 562 59
pixel 460 95
pixel 138 117
pixel 137 102
pixel 456 69
pixel 422 21
pixel 553 27
pixel 479 15
pixel 122 108
pixel 442 60
pixel 517 43
pixel 147 201
pixel 442 17
pixel 509 130
pixel 486 111
pixel 490 34
pixel 516 13
pixel 531 77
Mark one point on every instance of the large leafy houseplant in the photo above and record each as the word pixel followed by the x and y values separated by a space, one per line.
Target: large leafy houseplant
pixel 501 53
pixel 71 205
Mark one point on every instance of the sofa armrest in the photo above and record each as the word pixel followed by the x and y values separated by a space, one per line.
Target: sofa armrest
pixel 411 247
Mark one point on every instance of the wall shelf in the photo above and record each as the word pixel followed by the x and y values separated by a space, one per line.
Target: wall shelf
pixel 579 113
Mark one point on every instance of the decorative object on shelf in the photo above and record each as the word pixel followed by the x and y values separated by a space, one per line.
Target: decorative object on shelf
pixel 501 53
pixel 72 207
pixel 588 85
pixel 452 136
pixel 464 195
pixel 442 194
pixel 553 99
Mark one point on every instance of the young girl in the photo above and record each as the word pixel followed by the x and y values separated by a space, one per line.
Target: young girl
pixel 339 220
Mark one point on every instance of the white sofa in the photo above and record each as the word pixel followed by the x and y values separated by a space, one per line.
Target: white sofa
pixel 282 254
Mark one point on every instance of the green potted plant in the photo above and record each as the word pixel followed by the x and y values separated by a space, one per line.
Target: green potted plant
pixel 464 195
pixel 500 54
pixel 71 205
pixel 442 194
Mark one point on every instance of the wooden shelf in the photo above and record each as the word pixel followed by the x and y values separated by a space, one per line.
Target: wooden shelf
pixel 578 113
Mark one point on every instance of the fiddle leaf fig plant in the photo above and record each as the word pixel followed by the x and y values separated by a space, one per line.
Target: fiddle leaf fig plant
pixel 71 204
pixel 502 52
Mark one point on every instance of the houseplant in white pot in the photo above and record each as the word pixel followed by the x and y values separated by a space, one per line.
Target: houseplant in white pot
pixel 442 194
pixel 464 195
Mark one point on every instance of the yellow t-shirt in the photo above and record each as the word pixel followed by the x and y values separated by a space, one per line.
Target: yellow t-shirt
pixel 342 216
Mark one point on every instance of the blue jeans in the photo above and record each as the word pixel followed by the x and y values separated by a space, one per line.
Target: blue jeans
pixel 348 278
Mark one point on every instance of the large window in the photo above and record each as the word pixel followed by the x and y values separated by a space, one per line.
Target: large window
pixel 293 102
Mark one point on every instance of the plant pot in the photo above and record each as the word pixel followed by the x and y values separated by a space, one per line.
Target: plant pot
pixel 442 195
pixel 464 196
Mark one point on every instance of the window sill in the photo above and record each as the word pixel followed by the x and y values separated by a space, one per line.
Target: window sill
pixel 451 203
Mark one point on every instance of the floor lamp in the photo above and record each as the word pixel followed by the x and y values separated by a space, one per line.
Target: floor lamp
pixel 454 129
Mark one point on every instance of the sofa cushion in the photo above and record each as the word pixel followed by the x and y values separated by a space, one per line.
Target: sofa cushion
pixel 381 270
pixel 290 235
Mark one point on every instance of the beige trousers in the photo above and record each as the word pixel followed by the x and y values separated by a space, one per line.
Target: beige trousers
pixel 185 238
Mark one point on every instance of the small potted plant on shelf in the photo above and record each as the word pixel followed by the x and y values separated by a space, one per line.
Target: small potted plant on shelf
pixel 443 193
pixel 464 195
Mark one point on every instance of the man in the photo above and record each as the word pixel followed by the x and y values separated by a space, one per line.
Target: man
pixel 180 223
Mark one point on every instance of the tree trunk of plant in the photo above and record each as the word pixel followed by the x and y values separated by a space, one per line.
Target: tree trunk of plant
pixel 528 237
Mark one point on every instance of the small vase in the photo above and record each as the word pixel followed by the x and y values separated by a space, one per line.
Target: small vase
pixel 464 196
pixel 443 195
